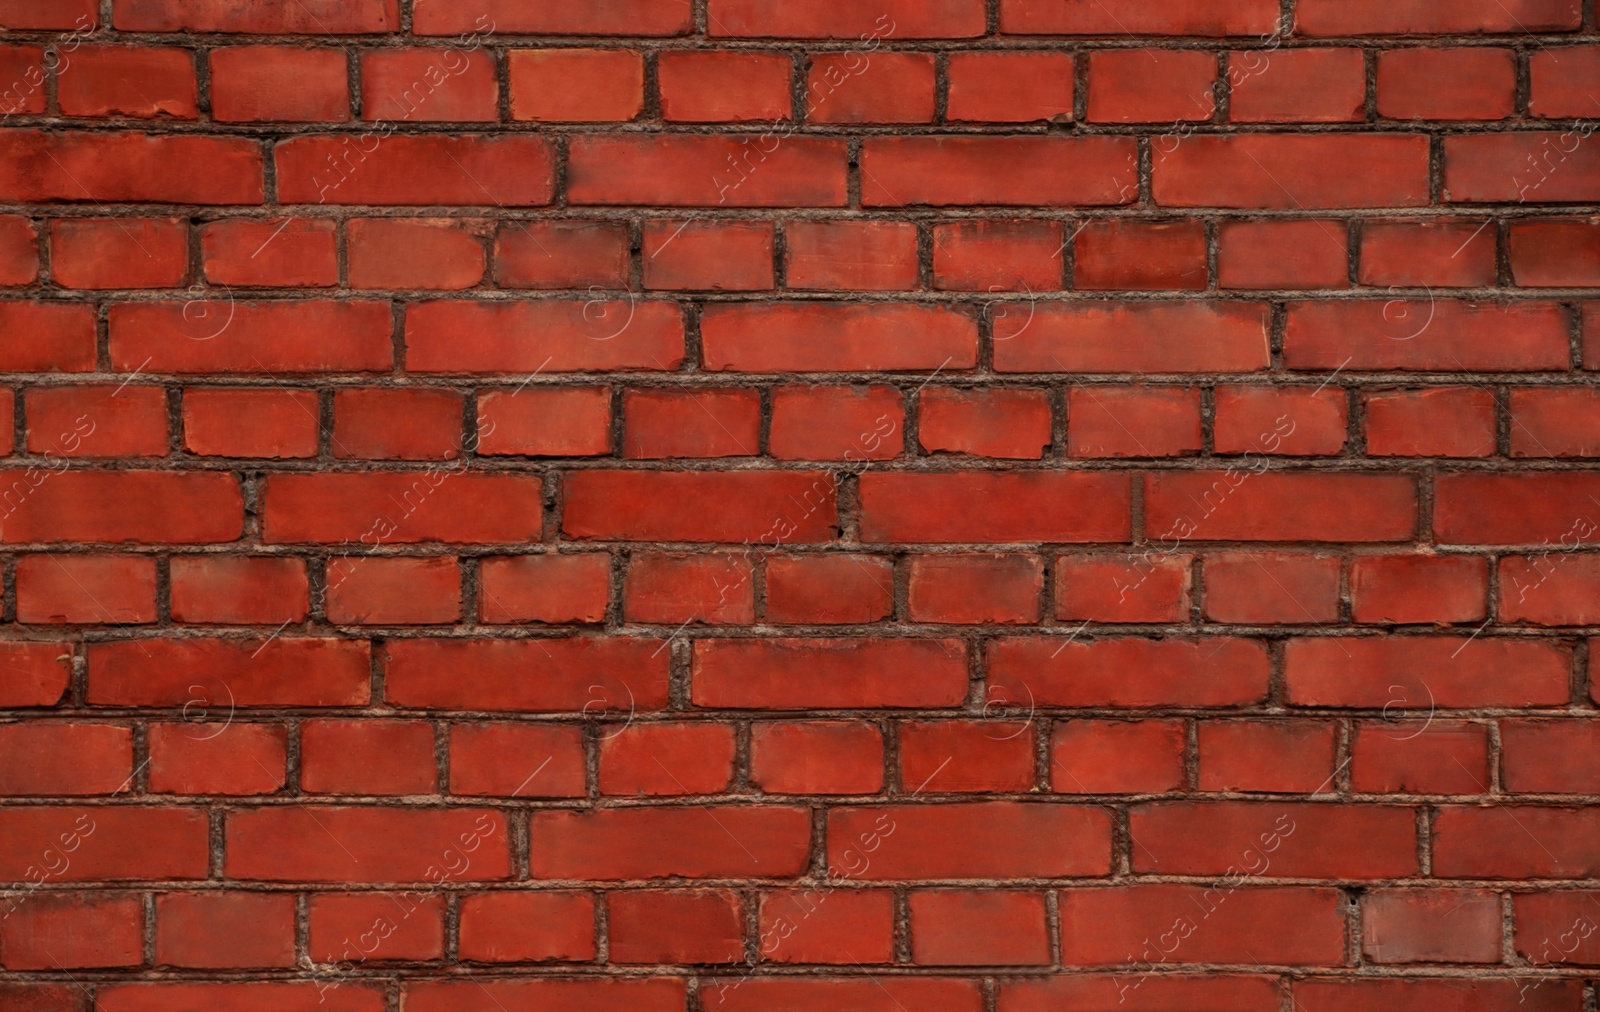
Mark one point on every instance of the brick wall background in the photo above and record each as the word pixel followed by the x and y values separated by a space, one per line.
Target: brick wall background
pixel 719 505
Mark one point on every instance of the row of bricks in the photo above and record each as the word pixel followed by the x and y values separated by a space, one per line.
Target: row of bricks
pixel 1004 754
pixel 1251 588
pixel 602 675
pixel 804 423
pixel 765 509
pixel 825 19
pixel 1393 169
pixel 974 255
pixel 783 842
pixel 216 334
pixel 1303 926
pixel 249 84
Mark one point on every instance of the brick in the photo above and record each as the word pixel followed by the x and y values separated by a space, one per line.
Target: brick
pixel 1555 927
pixel 291 252
pixel 1546 756
pixel 1544 167
pixel 1418 588
pixel 26 14
pixel 667 759
pixel 984 839
pixel 623 17
pixel 1289 421
pixel 1151 86
pixel 139 81
pixel 101 253
pixel 787 506
pixel 282 84
pixel 544 588
pixel 1118 255
pixel 290 844
pixel 576 85
pixel 733 256
pixel 1010 87
pixel 1114 757
pixel 402 507
pixel 1393 996
pixel 1272 587
pixel 1511 509
pixel 1435 422
pixel 545 422
pixel 1083 992
pixel 996 508
pixel 817 994
pixel 588 674
pixel 287 671
pixel 24 68
pixel 835 19
pixel 1426 756
pixel 234 422
pixel 1297 86
pixel 86 589
pixel 369 168
pixel 105 843
pixel 225 336
pixel 201 755
pixel 873 256
pixel 1125 672
pixel 1432 252
pixel 1555 254
pixel 1107 337
pixel 1282 254
pixel 1368 17
pixel 36 674
pixel 1037 17
pixel 1276 757
pixel 886 88
pixel 1448 84
pixel 242 996
pixel 826 924
pixel 521 927
pixel 673 588
pixel 675 926
pixel 225 930
pixel 1249 505
pixel 561 254
pixel 857 423
pixel 998 171
pixel 64 758
pixel 1220 924
pixel 699 86
pixel 659 994
pixel 1546 590
pixel 1347 671
pixel 502 760
pixel 347 756
pixel 1329 170
pixel 1007 423
pixel 474 337
pixel 19 251
pixel 966 756
pixel 816 757
pixel 749 170
pixel 1124 588
pixel 127 167
pixel 833 337
pixel 1561 81
pixel 975 588
pixel 410 424
pixel 98 421
pixel 1491 842
pixel 967 928
pixel 829 589
pixel 425 253
pixel 1295 840
pixel 404 927
pixel 1108 421
pixel 261 17
pixel 428 86
pixel 828 673
pixel 704 842
pixel 112 506
pixel 62 931
pixel 998 255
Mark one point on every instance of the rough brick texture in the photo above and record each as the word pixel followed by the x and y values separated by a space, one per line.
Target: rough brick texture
pixel 733 506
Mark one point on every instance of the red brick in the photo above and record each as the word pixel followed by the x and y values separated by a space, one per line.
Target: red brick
pixel 503 760
pixel 1222 923
pixel 1509 509
pixel 998 171
pixel 1519 167
pixel 1007 423
pixel 435 253
pixel 1124 672
pixel 409 424
pixel 1330 170
pixel 996 255
pixel 1556 254
pixel 975 588
pixel 252 84
pixel 98 421
pixel 1112 756
pixel 1149 587
pixel 222 930
pixel 544 588
pixel 832 589
pixel 1437 422
pixel 1492 842
pixel 1350 671
pixel 587 674
pixel 1555 927
pixel 1291 421
pixel 36 674
pixel 112 506
pixel 63 758
pixel 699 86
pixel 576 85
pixel 468 337
pixel 667 759
pixel 658 994
pixel 675 926
pixel 19 251
pixel 106 842
pixel 1276 587
pixel 984 839
pixel 826 924
pixel 561 254
pixel 836 19
pixel 292 252
pixel 262 17
pixel 139 81
pixel 885 88
pixel 1561 80
pixel 1418 588
pixel 1419 756
pixel 964 756
pixel 209 753
pixel 994 508
pixel 283 671
pixel 521 927
pixel 1109 337
pixel 119 253
pixel 1085 992
pixel 127 167
pixel 86 589
pixel 236 422
pixel 1549 756
pixel 1431 252
pixel 742 170
pixel 968 928
pixel 397 924
pixel 1282 254
pixel 1151 86
pixel 402 507
pixel 1550 590
pixel 1372 17
pixel 1279 757
pixel 1033 17
pixel 545 422
pixel 396 845
pixel 1350 841
pixel 793 674
pixel 788 506
pixel 429 85
pixel 241 996
pixel 622 17
pixel 68 931
pixel 1250 505
pixel 712 256
pixel 1453 84
pixel 816 757
pixel 1108 421
pixel 270 337
pixel 1297 86
pixel 347 756
pixel 507 171
pixel 673 589
pixel 1393 995
pixel 1140 255
pixel 872 256
pixel 59 337
pixel 613 844
pixel 1015 87
pixel 835 337
pixel 858 423
pixel 818 994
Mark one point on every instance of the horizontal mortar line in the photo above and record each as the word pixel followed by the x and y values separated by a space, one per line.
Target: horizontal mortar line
pixel 915 213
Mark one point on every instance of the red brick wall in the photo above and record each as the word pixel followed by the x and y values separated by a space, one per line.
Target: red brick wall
pixel 728 505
